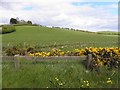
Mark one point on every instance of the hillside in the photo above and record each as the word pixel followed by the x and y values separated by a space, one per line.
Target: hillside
pixel 108 32
pixel 44 36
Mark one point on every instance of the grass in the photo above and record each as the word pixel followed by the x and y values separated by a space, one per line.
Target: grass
pixel 55 74
pixel 55 37
pixel 108 33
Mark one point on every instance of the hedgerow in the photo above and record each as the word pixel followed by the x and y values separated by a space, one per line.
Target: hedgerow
pixel 8 29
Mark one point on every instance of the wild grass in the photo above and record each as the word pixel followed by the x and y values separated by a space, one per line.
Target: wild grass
pixel 56 74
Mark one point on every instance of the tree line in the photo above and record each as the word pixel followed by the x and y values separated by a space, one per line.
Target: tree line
pixel 18 21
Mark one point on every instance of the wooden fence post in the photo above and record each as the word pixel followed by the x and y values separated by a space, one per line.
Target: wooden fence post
pixel 89 59
pixel 16 60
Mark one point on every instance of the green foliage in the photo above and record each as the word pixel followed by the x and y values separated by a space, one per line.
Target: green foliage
pixel 8 29
pixel 13 21
pixel 18 49
pixel 20 22
pixel 29 22
pixel 56 74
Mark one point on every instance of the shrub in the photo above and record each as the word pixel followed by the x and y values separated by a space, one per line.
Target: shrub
pixel 7 29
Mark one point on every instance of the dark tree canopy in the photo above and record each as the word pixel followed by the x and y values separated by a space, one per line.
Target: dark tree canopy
pixel 17 21
pixel 29 22
pixel 13 21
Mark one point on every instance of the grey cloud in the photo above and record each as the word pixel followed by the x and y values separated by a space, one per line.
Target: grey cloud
pixel 59 14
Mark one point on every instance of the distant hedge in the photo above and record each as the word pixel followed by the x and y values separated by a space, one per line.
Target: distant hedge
pixel 7 29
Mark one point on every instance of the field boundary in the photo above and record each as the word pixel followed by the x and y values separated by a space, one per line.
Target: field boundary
pixel 43 58
pixel 16 59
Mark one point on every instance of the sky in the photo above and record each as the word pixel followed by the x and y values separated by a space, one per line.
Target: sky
pixel 90 15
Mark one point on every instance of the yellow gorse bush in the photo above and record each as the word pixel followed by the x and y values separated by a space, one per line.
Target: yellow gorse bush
pixel 100 56
pixel 79 52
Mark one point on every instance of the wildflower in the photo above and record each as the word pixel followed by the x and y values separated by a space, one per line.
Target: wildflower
pixel 60 84
pixel 61 53
pixel 31 54
pixel 48 53
pixel 109 81
pixel 87 71
pixel 56 79
pixel 88 84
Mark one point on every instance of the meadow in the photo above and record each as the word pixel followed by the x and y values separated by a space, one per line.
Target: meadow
pixel 54 37
pixel 56 73
pixel 108 33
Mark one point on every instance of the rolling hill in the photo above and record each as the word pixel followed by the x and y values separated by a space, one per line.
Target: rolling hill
pixel 44 36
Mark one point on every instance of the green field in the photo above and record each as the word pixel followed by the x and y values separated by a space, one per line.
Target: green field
pixel 56 74
pixel 55 37
pixel 108 33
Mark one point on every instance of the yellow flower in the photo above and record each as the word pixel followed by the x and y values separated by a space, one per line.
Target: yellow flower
pixel 48 53
pixel 31 54
pixel 60 84
pixel 88 84
pixel 87 81
pixel 56 79
pixel 62 53
pixel 109 81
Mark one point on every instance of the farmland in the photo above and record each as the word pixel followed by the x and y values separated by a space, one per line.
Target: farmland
pixel 55 37
pixel 108 33
pixel 58 73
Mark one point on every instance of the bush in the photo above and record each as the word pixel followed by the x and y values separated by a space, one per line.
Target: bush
pixel 8 29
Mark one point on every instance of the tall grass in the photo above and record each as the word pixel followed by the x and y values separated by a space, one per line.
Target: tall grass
pixel 56 74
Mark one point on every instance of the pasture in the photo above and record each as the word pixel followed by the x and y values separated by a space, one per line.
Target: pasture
pixel 44 37
pixel 57 73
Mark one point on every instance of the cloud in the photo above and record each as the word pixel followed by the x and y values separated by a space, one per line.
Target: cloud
pixel 88 16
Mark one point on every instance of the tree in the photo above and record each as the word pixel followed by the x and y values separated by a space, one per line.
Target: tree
pixel 13 21
pixel 29 22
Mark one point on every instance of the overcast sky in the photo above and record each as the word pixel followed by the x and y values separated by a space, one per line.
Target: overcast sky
pixel 91 15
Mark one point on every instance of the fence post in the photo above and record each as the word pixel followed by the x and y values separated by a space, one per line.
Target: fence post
pixel 89 59
pixel 16 58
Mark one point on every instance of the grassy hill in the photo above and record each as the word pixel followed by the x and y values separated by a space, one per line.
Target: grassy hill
pixel 109 32
pixel 56 73
pixel 56 37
